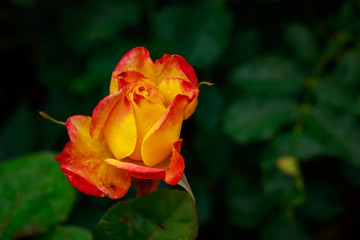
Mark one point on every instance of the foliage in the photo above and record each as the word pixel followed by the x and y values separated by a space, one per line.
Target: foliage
pixel 272 151
pixel 164 214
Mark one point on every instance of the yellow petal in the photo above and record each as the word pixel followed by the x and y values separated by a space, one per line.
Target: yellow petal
pixel 171 87
pixel 147 113
pixel 158 142
pixel 120 129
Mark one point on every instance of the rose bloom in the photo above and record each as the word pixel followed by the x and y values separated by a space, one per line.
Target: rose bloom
pixel 134 131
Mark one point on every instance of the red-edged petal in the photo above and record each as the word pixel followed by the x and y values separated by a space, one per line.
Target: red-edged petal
pixel 169 170
pixel 138 59
pixel 187 69
pixel 138 169
pixel 82 161
pixel 101 113
pixel 158 142
pixel 168 66
pixel 81 183
pixel 171 87
pixel 176 168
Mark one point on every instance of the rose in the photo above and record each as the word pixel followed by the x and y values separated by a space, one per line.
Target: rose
pixel 134 131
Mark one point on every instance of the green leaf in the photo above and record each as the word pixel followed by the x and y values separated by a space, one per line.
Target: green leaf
pixel 339 134
pixel 257 118
pixel 333 96
pixel 200 38
pixel 34 195
pixel 302 41
pixel 164 214
pixel 68 233
pixel 302 146
pixel 280 228
pixel 278 184
pixel 346 75
pixel 280 187
pixel 271 76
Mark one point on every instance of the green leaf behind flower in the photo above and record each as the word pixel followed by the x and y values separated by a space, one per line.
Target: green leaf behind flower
pixel 34 195
pixel 164 214
pixel 66 232
pixel 257 119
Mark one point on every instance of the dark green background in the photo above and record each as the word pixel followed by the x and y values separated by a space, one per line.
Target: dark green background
pixel 286 80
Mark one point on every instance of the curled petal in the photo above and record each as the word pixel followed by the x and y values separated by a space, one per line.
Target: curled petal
pixel 158 142
pixel 170 170
pixel 82 161
pixel 137 169
pixel 187 69
pixel 176 168
pixel 120 129
pixel 171 87
pixel 127 78
pixel 101 113
pixel 169 67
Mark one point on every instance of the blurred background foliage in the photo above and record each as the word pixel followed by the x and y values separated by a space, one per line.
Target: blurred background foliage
pixel 273 150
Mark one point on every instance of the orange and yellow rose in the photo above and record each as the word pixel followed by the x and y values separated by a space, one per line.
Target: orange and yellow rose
pixel 134 131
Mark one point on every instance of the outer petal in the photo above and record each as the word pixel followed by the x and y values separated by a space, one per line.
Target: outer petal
pixel 82 161
pixel 187 69
pixel 169 66
pixel 101 113
pixel 176 168
pixel 120 129
pixel 171 87
pixel 138 59
pixel 81 183
pixel 158 142
pixel 138 169
pixel 170 170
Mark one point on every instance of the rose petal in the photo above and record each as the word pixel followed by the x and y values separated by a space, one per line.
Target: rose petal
pixel 187 69
pixel 101 113
pixel 170 170
pixel 82 161
pixel 137 169
pixel 138 59
pixel 157 144
pixel 176 168
pixel 147 113
pixel 169 66
pixel 171 87
pixel 120 129
pixel 81 183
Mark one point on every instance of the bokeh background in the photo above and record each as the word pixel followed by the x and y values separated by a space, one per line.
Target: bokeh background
pixel 273 149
